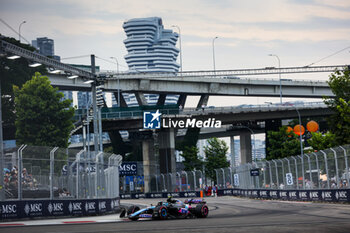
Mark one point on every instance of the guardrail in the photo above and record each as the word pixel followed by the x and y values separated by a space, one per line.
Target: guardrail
pixel 117 114
pixel 324 195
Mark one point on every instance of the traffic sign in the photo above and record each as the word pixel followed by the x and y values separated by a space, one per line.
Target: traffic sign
pixel 289 178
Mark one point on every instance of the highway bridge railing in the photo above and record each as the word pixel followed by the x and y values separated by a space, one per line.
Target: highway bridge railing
pixel 130 112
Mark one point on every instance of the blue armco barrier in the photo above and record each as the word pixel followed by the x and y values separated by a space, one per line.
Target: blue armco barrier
pixel 328 195
pixel 47 208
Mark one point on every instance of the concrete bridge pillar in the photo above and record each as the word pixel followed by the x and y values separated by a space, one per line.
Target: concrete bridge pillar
pixel 246 147
pixel 149 163
pixel 167 160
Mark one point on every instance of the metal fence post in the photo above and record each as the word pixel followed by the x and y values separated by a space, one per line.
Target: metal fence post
pixel 336 167
pixel 264 172
pixel 346 165
pixel 231 177
pixel 310 175
pixel 302 170
pixel 77 173
pixel 278 183
pixel 52 166
pixel 180 181
pixel 186 180
pixel 270 172
pixel 194 180
pixel 163 182
pixel 223 178
pixel 156 183
pixel 19 154
pixel 283 172
pixel 296 171
pixel 326 164
pixel 318 170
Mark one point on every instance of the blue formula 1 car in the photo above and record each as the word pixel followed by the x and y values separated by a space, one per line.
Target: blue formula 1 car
pixel 172 208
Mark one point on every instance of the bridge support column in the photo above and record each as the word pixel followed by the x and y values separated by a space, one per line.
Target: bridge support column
pixel 161 99
pixel 246 147
pixel 121 99
pixel 167 160
pixel 203 101
pixel 182 100
pixel 149 163
pixel 141 100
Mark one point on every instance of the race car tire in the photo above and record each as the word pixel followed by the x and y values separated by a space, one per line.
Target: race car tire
pixel 132 209
pixel 202 211
pixel 160 212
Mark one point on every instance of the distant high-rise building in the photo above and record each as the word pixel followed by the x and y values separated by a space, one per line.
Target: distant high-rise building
pixel 46 47
pixel 151 48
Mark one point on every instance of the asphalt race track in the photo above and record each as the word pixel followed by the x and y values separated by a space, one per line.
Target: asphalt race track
pixel 227 214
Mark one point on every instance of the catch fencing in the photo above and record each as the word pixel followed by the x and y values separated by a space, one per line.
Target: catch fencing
pixel 32 172
pixel 325 169
pixel 183 181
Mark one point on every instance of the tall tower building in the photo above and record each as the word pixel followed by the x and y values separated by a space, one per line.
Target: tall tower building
pixel 151 48
pixel 46 47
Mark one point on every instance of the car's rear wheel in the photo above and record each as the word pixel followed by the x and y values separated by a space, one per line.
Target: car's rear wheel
pixel 202 211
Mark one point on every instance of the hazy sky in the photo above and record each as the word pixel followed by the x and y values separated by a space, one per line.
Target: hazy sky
pixel 300 32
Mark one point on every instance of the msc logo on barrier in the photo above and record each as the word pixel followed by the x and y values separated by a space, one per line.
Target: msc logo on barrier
pixel 128 169
pixel 151 120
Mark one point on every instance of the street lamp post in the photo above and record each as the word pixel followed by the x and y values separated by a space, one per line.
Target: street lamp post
pixel 19 31
pixel 116 60
pixel 214 53
pixel 94 104
pixel 178 28
pixel 279 74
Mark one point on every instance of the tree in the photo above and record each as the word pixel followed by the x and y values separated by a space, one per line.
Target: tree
pixel 190 154
pixel 42 117
pixel 215 154
pixel 339 122
pixel 282 144
pixel 13 72
pixel 321 141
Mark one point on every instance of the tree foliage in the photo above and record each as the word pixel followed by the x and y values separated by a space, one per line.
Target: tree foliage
pixel 282 144
pixel 215 154
pixel 192 162
pixel 339 122
pixel 13 72
pixel 42 117
pixel 321 141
